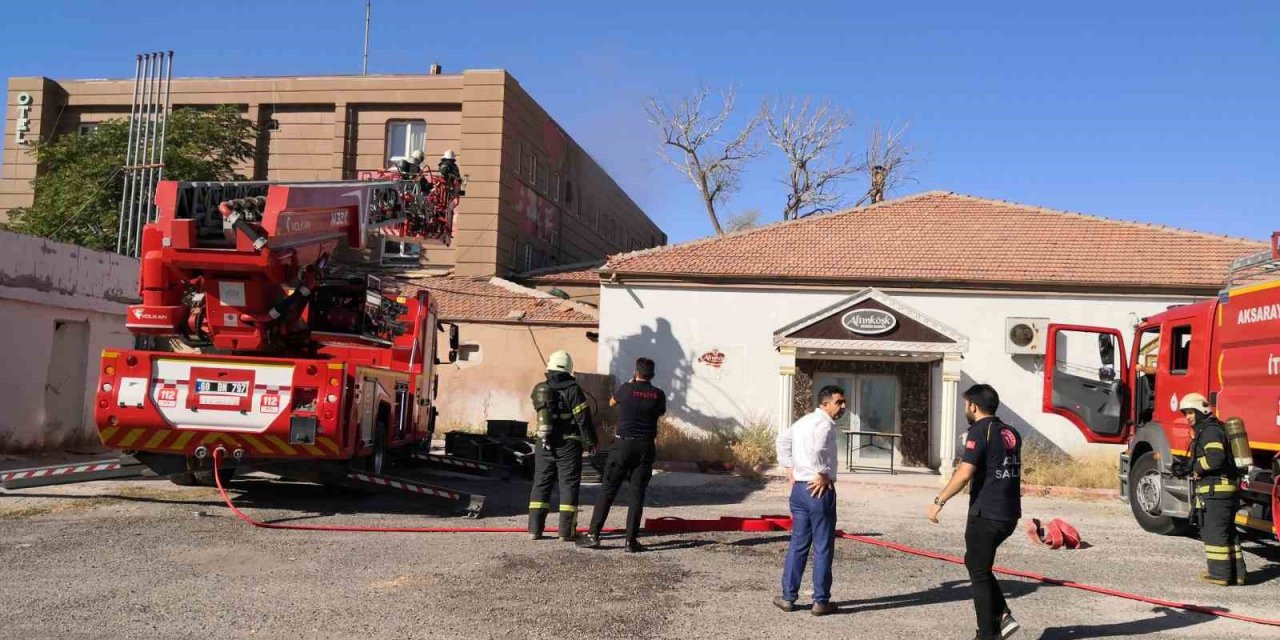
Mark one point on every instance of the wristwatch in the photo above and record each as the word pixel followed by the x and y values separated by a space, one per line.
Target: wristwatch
pixel 940 503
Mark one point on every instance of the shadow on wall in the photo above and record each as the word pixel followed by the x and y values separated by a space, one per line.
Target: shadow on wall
pixel 1031 437
pixel 675 371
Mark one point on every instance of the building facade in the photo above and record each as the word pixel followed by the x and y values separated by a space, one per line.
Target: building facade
pixel 903 304
pixel 534 197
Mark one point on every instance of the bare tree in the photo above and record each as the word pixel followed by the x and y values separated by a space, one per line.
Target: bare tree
pixel 748 219
pixel 809 138
pixel 691 143
pixel 889 158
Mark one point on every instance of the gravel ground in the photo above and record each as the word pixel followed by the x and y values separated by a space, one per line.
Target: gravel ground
pixel 145 559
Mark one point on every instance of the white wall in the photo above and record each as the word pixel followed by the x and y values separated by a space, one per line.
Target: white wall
pixel 42 283
pixel 675 326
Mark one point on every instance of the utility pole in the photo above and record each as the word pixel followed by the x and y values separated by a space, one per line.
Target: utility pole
pixel 368 11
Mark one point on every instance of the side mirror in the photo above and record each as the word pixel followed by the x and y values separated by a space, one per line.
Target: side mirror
pixel 1107 349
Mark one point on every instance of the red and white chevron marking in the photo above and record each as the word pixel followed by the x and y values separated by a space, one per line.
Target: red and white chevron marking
pixel 24 474
pixel 403 486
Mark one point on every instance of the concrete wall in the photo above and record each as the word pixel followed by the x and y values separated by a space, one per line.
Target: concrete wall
pixel 499 365
pixel 675 326
pixel 64 300
pixel 558 205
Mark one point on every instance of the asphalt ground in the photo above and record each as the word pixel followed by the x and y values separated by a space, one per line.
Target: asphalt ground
pixel 146 559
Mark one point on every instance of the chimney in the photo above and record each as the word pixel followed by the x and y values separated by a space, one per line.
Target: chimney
pixel 878 175
pixel 435 69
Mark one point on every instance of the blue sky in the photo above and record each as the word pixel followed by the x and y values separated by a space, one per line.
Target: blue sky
pixel 1165 112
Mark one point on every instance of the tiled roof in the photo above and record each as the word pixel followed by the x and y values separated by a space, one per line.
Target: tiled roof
pixel 940 237
pixel 582 272
pixel 497 300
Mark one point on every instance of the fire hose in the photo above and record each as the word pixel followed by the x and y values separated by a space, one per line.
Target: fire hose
pixel 761 524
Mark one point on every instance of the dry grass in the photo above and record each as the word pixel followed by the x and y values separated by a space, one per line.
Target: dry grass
pixel 1053 469
pixel 754 448
pixel 679 444
pixel 20 511
pixel 747 447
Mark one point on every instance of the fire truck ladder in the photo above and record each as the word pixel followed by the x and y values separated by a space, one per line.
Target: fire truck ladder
pixel 1262 262
pixel 109 469
pixel 472 504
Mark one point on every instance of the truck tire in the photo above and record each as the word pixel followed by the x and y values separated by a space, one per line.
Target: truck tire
pixel 187 479
pixel 1145 489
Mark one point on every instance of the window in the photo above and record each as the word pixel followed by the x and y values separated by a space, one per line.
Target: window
pixel 394 252
pixel 528 162
pixel 1181 351
pixel 404 137
pixel 555 187
pixel 543 177
pixel 568 193
pixel 87 128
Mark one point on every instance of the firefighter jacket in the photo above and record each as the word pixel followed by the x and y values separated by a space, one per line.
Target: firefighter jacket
pixel 1211 460
pixel 570 412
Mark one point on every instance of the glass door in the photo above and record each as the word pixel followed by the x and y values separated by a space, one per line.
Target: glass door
pixel 876 405
pixel 873 402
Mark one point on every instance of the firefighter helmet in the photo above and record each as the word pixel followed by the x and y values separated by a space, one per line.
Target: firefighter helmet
pixel 448 155
pixel 1194 402
pixel 416 156
pixel 560 361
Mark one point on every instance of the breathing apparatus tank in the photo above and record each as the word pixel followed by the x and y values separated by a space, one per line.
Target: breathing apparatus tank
pixel 1241 453
pixel 543 404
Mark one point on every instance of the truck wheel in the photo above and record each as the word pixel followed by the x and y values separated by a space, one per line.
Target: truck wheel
pixel 1146 487
pixel 187 479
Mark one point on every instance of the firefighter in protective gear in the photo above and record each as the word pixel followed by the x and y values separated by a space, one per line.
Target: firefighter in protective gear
pixel 565 430
pixel 1215 480
pixel 449 167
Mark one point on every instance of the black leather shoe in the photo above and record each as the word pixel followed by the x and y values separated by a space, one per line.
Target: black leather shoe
pixel 589 541
pixel 785 605
pixel 823 609
pixel 634 546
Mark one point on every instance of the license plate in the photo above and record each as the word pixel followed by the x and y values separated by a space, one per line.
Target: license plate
pixel 220 386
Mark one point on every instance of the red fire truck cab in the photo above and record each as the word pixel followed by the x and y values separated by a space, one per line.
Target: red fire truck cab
pixel 1227 349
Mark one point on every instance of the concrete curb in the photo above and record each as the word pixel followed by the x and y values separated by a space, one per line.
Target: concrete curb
pixel 1069 492
pixel 1032 490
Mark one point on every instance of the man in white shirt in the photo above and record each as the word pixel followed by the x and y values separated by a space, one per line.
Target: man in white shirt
pixel 808 449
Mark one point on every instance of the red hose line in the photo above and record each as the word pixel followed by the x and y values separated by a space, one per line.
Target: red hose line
pixel 1194 608
pixel 902 548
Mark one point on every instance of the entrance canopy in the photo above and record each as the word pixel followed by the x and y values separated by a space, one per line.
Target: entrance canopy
pixel 872 327
pixel 871 323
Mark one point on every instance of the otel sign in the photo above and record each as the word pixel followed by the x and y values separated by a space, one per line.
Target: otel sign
pixel 23 124
pixel 869 322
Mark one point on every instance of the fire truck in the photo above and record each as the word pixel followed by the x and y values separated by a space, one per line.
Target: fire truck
pixel 281 363
pixel 1226 348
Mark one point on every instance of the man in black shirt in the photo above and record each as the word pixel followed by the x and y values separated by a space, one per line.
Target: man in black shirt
pixel 992 461
pixel 640 404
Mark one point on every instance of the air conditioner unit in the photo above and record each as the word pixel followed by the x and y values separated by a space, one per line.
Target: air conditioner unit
pixel 1025 336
